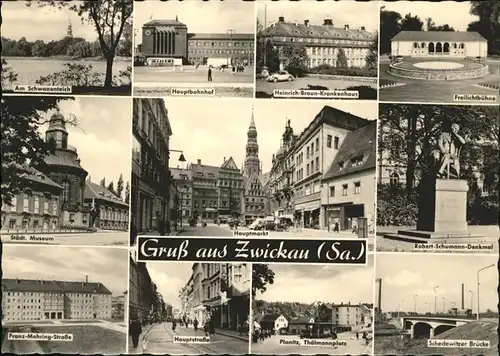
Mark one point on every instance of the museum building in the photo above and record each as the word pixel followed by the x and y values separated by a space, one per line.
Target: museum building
pixel 170 39
pixel 30 299
pixel 459 44
pixel 322 42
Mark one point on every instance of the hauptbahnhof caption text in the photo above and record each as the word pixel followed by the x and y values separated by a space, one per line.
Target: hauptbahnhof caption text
pixel 341 251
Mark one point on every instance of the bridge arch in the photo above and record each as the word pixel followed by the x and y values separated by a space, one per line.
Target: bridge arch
pixel 422 330
pixel 442 328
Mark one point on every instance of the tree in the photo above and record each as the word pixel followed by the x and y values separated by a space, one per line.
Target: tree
pixel 390 26
pixel 108 17
pixel 372 56
pixel 267 55
pixel 341 58
pixel 295 59
pixel 488 24
pixel 259 26
pixel 127 193
pixel 8 75
pixel 22 146
pixel 103 182
pixel 125 46
pixel 411 23
pixel 119 186
pixel 111 187
pixel 261 276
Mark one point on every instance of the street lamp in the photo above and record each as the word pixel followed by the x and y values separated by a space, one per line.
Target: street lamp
pixel 477 277
pixel 415 303
pixel 181 157
pixel 435 299
pixel 471 300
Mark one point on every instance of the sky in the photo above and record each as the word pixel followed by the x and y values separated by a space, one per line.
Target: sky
pixel 354 14
pixel 103 135
pixel 68 264
pixel 455 14
pixel 405 275
pixel 219 129
pixel 325 283
pixel 199 17
pixel 19 20
pixel 169 278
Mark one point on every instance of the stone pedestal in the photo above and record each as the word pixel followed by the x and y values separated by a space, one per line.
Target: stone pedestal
pixel 443 209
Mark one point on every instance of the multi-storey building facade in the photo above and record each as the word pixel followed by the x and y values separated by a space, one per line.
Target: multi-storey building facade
pixel 230 186
pixel 347 315
pixel 63 167
pixel 150 188
pixel 323 43
pixel 106 210
pixel 38 207
pixel 170 39
pixel 183 179
pixel 221 290
pixel 349 184
pixel 314 151
pixel 25 299
pixel 141 297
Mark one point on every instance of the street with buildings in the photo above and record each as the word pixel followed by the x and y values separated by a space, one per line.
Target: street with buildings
pixel 299 321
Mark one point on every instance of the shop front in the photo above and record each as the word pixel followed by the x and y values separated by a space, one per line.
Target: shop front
pixel 345 215
pixel 309 214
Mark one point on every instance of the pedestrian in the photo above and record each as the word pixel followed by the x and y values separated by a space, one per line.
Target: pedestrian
pixel 212 326
pixel 135 330
pixel 209 73
pixel 174 324
pixel 167 226
pixel 234 69
pixel 357 335
pixel 206 326
pixel 195 324
pixel 161 227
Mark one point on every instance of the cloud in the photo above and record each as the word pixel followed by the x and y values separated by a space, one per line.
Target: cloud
pixel 404 278
pixel 68 263
pixel 170 278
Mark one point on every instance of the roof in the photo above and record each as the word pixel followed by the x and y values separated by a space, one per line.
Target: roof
pixel 264 178
pixel 451 36
pixel 301 320
pixel 229 164
pixel 34 285
pixel 38 177
pixel 64 157
pixel 221 36
pixel 333 117
pixel 282 28
pixel 360 143
pixel 164 23
pixel 97 191
pixel 178 172
pixel 205 170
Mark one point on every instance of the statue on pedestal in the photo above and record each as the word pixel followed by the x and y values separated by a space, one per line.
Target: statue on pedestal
pixel 448 153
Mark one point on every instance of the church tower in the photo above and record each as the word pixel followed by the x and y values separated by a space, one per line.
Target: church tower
pixel 251 166
pixel 57 131
pixel 69 31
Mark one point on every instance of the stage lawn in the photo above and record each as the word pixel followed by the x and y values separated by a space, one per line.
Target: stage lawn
pixel 87 339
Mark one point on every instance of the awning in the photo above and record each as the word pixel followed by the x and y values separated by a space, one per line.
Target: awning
pixel 213 303
pixel 199 307
pixel 309 206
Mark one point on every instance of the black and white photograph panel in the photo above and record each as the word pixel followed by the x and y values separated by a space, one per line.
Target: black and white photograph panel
pixel 305 309
pixel 180 308
pixel 306 171
pixel 441 52
pixel 438 178
pixel 61 47
pixel 65 180
pixel 194 48
pixel 436 304
pixel 317 50
pixel 64 300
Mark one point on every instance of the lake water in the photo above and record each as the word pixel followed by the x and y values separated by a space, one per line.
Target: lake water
pixel 31 69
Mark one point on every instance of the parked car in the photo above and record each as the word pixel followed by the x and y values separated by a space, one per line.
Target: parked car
pixel 256 224
pixel 281 76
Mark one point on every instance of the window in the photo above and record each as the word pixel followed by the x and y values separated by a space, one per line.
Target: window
pixel 336 143
pixel 307 169
pixel 344 189
pixel 307 156
pixel 341 166
pixel 332 191
pixel 312 148
pixel 357 161
pixel 329 141
pixel 317 164
pixel 26 203
pixel 317 143
pixel 65 194
pixel 357 187
pixel 394 178
pixel 37 205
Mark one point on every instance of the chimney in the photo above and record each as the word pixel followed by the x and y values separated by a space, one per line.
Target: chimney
pixel 327 22
pixel 86 279
pixel 346 27
pixel 199 162
pixel 306 22
pixel 363 28
pixel 281 19
pixel 462 296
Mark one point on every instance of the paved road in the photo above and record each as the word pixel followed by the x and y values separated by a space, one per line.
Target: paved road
pixel 299 83
pixel 272 346
pixel 434 91
pixel 115 238
pixel 210 230
pixel 166 75
pixel 160 341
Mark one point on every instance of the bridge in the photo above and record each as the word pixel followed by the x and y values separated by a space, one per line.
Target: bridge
pixel 431 326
